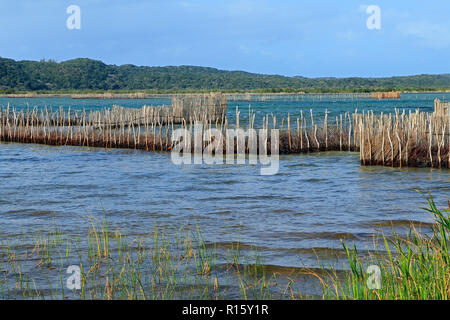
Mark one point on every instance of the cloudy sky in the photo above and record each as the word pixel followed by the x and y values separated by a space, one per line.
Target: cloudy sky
pixel 314 38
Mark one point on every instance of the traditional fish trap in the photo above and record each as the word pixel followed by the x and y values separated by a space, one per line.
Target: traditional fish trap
pixel 145 128
pixel 416 139
pixel 265 96
pixel 412 139
pixel 111 128
pixel 210 107
pixel 135 95
pixel 441 107
pixel 386 95
pixel 299 96
pixel 150 128
pixel 306 134
pixel 118 116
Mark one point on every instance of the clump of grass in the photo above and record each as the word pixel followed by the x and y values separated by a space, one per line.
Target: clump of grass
pixel 115 266
pixel 415 267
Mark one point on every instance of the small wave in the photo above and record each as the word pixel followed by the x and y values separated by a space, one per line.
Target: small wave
pixel 397 223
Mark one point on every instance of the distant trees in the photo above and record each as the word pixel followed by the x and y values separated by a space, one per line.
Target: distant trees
pixel 92 75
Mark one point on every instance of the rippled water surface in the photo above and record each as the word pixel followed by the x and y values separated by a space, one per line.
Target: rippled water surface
pixel 312 203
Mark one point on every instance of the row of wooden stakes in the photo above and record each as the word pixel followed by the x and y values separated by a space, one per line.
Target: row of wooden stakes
pixel 409 139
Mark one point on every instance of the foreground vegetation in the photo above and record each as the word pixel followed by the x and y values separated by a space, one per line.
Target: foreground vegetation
pixel 183 265
pixel 113 266
pixel 412 268
pixel 86 75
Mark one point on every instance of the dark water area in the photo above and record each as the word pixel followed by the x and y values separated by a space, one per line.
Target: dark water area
pixel 314 202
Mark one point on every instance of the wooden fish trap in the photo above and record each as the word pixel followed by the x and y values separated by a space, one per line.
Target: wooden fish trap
pixel 210 107
pixel 441 107
pixel 413 139
pixel 386 95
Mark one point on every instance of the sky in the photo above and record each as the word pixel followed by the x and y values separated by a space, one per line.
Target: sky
pixel 315 38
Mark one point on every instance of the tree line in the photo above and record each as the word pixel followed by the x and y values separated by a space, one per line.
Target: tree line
pixel 91 75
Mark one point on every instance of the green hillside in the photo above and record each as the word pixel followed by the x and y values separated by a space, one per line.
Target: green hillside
pixel 92 75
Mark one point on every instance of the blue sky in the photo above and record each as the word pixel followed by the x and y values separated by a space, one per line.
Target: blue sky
pixel 290 37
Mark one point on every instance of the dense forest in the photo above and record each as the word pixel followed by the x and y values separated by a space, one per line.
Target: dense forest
pixel 92 75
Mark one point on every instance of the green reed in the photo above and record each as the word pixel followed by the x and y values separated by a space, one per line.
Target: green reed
pixel 114 266
pixel 415 267
pixel 183 265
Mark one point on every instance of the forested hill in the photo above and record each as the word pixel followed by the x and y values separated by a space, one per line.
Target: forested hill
pixel 87 75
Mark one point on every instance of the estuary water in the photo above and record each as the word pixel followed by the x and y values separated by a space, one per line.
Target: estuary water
pixel 314 202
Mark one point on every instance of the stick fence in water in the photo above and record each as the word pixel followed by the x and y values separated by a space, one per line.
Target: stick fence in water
pixel 413 139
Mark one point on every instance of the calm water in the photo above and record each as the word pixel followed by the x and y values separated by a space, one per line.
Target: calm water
pixel 312 203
